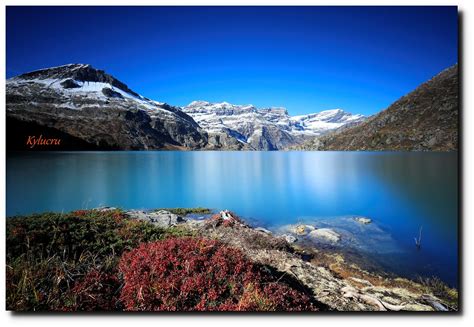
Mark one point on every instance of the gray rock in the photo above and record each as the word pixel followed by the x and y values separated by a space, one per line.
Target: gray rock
pixel 161 218
pixel 166 219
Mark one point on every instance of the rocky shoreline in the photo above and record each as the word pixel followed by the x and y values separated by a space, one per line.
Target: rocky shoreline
pixel 195 259
pixel 333 280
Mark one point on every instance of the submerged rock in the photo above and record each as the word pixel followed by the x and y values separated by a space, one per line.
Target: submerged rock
pixel 363 220
pixel 303 229
pixel 325 234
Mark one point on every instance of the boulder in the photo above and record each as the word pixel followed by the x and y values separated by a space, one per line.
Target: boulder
pixel 161 218
pixel 166 219
pixel 326 234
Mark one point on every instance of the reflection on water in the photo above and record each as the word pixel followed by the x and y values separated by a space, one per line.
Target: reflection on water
pixel 399 191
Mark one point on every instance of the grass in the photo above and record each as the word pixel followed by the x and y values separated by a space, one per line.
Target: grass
pixel 49 254
pixel 440 290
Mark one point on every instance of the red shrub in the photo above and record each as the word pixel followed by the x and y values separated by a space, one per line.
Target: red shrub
pixel 188 274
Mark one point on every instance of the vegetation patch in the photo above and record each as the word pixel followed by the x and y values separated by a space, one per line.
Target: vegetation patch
pixel 102 260
pixel 63 261
pixel 192 274
pixel 440 290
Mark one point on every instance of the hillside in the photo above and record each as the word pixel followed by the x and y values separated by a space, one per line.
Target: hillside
pixel 423 120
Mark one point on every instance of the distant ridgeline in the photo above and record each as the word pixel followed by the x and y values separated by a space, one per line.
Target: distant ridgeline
pixel 87 109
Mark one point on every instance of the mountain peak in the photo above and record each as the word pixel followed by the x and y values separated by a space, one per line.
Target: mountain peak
pixel 55 72
pixel 76 73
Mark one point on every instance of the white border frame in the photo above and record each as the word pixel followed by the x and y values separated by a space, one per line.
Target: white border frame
pixel 334 319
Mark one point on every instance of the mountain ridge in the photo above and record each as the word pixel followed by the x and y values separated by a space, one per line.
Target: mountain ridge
pixel 425 119
pixel 90 105
pixel 269 128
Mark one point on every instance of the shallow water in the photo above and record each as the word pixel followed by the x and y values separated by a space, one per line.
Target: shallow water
pixel 399 191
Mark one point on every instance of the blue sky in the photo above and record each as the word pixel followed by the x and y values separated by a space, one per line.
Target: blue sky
pixel 306 59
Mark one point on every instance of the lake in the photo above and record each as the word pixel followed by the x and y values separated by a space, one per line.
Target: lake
pixel 400 192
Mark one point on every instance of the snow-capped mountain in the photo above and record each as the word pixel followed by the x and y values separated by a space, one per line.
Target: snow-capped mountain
pixel 79 83
pixel 91 105
pixel 268 128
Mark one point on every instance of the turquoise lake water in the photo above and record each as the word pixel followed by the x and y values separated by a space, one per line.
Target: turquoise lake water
pixel 400 192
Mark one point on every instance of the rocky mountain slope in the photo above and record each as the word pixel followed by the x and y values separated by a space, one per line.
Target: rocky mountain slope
pixel 264 129
pixel 423 120
pixel 90 105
